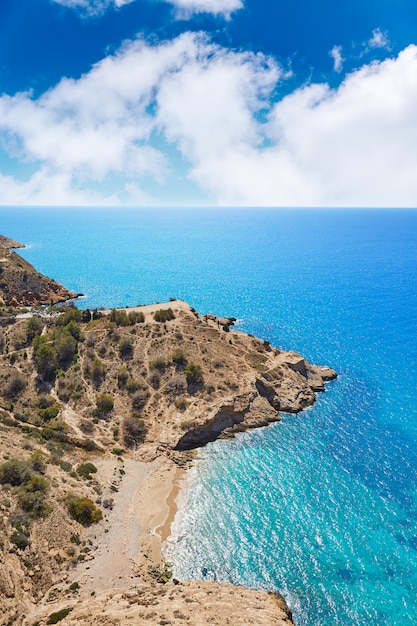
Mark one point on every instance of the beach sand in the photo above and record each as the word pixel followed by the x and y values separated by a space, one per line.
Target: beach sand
pixel 126 548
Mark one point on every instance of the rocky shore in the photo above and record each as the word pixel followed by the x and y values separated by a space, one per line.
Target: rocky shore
pixel 109 408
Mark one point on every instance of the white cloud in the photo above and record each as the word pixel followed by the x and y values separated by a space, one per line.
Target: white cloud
pixel 351 146
pixel 46 188
pixel 185 8
pixel 378 39
pixel 336 54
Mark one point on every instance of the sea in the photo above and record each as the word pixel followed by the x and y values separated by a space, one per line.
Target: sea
pixel 321 506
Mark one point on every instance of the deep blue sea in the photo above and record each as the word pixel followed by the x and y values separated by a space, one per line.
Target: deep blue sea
pixel 321 506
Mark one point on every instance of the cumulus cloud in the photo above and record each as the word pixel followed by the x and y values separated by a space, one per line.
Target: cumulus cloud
pixel 350 146
pixel 336 54
pixel 185 8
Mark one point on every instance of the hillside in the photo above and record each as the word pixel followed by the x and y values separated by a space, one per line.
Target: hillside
pixel 21 284
pixel 98 414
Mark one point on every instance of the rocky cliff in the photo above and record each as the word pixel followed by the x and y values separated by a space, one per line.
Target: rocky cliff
pixel 21 284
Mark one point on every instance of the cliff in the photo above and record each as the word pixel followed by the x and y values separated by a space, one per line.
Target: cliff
pixel 96 412
pixel 22 285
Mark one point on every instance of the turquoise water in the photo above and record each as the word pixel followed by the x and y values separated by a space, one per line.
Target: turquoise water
pixel 322 506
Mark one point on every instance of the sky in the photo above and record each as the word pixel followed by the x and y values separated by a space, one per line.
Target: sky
pixel 208 102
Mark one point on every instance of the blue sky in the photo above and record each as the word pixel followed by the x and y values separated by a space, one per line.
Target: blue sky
pixel 208 102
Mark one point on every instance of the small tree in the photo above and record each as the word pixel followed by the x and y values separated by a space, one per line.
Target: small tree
pixel 45 360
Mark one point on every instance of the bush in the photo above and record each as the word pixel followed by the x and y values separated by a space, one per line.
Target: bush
pixel 178 357
pixel 122 377
pixel 181 404
pixel 66 351
pixel 126 348
pixel 159 364
pixel 139 399
pixel 121 318
pixel 70 315
pixel 134 431
pixel 105 403
pixel 15 473
pixel 164 315
pixel 20 540
pixel 32 497
pixel 86 469
pixel 54 618
pixel 155 379
pixel 83 510
pixel 73 328
pixel 193 373
pixel 15 385
pixel 50 413
pixel 98 371
pixel 136 317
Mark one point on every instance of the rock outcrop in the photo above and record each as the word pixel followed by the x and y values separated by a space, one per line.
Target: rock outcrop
pixel 22 285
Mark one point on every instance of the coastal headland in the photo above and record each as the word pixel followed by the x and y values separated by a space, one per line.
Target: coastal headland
pixel 100 415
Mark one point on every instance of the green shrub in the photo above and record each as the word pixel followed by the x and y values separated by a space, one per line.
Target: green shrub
pixel 73 328
pixel 121 318
pixel 105 403
pixel 122 377
pixel 181 404
pixel 15 472
pixel 66 350
pixel 164 315
pixel 50 413
pixel 20 539
pixel 193 373
pixel 97 372
pixel 178 357
pixel 136 317
pixel 133 385
pixel 83 510
pixel 86 469
pixel 126 348
pixel 54 618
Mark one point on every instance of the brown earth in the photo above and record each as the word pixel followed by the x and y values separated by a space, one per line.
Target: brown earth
pixel 174 386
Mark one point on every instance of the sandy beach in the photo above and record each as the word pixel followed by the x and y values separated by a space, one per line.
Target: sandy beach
pixel 127 547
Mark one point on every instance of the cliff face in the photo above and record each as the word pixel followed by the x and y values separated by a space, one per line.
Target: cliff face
pixel 22 285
